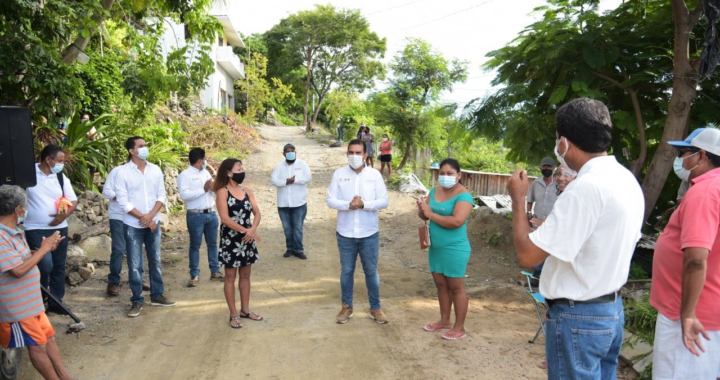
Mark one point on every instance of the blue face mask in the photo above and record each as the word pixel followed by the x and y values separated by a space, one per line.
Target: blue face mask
pixel 680 171
pixel 447 181
pixel 290 156
pixel 204 164
pixel 143 153
pixel 58 168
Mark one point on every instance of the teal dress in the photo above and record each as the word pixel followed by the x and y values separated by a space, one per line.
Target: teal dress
pixel 450 248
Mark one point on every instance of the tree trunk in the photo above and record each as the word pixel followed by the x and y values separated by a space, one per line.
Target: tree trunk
pixel 317 108
pixel 638 165
pixel 408 150
pixel 71 52
pixel 308 69
pixel 683 94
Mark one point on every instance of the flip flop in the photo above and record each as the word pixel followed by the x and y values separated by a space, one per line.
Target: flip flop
pixel 453 336
pixel 247 316
pixel 432 327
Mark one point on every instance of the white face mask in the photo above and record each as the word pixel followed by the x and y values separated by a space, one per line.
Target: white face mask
pixel 385 139
pixel 143 153
pixel 447 181
pixel 204 164
pixel 560 157
pixel 22 218
pixel 355 161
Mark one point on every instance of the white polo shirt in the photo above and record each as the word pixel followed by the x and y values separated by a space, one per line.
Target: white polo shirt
pixel 191 183
pixel 295 194
pixel 591 232
pixel 41 200
pixel 114 210
pixel 137 190
pixel 346 184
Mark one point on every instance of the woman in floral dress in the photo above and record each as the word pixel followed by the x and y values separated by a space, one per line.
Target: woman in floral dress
pixel 238 236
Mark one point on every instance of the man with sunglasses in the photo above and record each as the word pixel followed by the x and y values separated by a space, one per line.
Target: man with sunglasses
pixel 685 292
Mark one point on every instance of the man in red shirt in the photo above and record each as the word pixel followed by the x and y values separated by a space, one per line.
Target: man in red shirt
pixel 686 268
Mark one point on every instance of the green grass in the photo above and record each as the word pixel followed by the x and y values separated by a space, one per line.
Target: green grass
pixel 227 153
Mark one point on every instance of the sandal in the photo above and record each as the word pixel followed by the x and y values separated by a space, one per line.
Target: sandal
pixel 432 327
pixel 454 336
pixel 238 324
pixel 543 365
pixel 248 316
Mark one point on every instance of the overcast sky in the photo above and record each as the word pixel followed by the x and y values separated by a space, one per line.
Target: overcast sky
pixel 464 29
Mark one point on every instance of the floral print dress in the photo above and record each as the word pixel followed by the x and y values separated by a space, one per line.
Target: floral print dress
pixel 234 252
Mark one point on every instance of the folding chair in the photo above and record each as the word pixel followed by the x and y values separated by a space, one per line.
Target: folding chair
pixel 538 299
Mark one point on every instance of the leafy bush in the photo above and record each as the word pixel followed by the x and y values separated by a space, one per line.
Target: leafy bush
pixel 640 318
pixel 166 142
pixel 637 272
pixel 86 155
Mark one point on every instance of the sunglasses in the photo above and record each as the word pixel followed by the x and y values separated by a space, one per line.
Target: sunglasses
pixel 683 151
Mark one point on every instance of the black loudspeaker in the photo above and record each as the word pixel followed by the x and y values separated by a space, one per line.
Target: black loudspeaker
pixel 17 158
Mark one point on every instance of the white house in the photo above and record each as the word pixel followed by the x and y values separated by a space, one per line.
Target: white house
pixel 218 93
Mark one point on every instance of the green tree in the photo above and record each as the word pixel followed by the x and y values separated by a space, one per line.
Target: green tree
pixel 408 106
pixel 335 47
pixel 623 57
pixel 259 94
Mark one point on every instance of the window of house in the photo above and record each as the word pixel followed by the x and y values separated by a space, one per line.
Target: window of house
pixel 187 32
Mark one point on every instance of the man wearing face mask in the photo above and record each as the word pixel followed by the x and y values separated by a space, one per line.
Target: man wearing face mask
pixel 195 184
pixel 140 191
pixel 291 177
pixel 543 191
pixel 47 215
pixel 587 242
pixel 358 192
pixel 686 284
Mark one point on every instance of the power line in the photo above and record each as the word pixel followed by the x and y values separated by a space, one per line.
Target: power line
pixel 444 17
pixel 395 7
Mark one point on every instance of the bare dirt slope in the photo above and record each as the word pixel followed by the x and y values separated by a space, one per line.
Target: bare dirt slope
pixel 299 338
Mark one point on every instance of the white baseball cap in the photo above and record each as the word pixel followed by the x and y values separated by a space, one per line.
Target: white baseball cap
pixel 707 139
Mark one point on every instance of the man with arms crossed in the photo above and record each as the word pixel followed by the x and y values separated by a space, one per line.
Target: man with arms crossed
pixel 587 242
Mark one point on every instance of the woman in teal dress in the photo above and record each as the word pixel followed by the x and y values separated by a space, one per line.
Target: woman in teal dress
pixel 448 207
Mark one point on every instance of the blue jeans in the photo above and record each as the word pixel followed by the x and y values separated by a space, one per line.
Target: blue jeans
pixel 537 270
pixel 135 238
pixel 52 265
pixel 292 219
pixel 117 233
pixel 200 224
pixel 583 341
pixel 368 248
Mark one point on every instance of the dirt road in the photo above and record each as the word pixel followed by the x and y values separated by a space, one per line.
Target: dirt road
pixel 299 338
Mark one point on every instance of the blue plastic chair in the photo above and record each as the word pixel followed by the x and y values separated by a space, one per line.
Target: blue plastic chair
pixel 538 300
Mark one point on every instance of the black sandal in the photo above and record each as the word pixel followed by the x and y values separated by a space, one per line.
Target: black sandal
pixel 237 319
pixel 247 315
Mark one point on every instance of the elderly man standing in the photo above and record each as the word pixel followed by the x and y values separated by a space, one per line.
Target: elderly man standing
pixel 686 280
pixel 358 192
pixel 588 240
pixel 50 202
pixel 291 177
pixel 23 322
pixel 195 185
pixel 543 192
pixel 140 190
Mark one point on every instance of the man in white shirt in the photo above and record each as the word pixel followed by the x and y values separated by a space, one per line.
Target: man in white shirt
pixel 358 192
pixel 117 233
pixel 140 191
pixel 195 185
pixel 44 219
pixel 587 242
pixel 291 177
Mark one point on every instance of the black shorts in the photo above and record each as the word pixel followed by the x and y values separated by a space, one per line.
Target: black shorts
pixel 386 158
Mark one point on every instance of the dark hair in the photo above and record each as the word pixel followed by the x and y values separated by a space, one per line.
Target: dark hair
pixel 130 144
pixel 51 151
pixel 452 162
pixel 196 154
pixel 222 178
pixel 714 159
pixel 357 142
pixel 586 122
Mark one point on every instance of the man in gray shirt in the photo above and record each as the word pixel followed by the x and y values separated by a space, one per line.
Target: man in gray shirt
pixel 543 192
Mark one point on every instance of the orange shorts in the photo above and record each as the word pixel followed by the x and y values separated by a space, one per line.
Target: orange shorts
pixel 33 331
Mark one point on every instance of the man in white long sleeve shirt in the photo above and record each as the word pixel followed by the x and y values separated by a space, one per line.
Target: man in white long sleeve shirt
pixel 195 183
pixel 117 234
pixel 140 191
pixel 358 192
pixel 291 178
